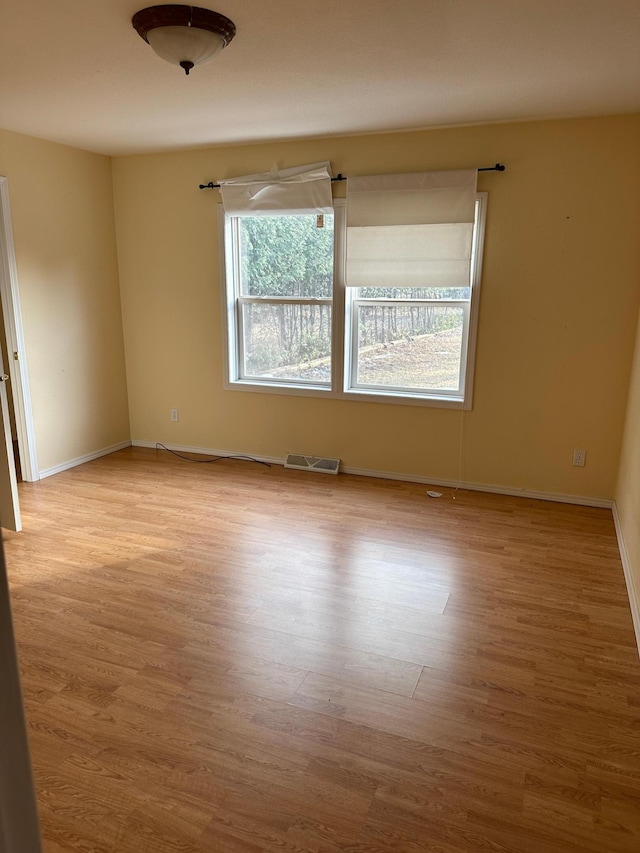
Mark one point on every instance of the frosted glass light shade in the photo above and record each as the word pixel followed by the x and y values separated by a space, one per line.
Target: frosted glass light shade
pixel 185 44
pixel 184 35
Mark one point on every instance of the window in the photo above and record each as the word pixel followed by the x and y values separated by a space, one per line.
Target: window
pixel 413 341
pixel 283 298
pixel 293 327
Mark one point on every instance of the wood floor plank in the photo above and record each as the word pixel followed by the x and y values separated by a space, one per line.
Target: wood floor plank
pixel 383 710
pixel 245 659
pixel 382 672
pixel 353 633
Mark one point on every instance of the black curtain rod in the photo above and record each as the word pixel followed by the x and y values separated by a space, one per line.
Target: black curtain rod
pixel 340 177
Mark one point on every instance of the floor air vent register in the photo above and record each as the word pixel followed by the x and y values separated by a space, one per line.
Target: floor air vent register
pixel 322 464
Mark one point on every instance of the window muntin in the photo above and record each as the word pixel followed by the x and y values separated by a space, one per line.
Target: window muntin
pixel 351 372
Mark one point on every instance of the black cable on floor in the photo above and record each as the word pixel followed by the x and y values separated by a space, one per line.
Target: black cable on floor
pixel 211 459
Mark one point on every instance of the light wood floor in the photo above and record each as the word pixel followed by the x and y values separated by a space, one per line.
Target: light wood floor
pixel 227 657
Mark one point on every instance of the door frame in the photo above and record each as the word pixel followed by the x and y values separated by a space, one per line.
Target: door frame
pixel 17 367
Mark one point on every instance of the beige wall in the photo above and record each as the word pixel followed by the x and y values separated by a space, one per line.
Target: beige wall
pixel 628 491
pixel 557 318
pixel 63 223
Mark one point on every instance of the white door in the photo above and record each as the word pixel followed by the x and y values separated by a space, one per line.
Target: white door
pixel 10 302
pixel 9 504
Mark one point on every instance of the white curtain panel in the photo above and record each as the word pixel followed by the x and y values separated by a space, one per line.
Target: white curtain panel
pixel 295 191
pixel 411 230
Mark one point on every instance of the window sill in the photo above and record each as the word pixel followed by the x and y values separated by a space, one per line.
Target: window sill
pixel 360 396
pixel 278 388
pixel 438 401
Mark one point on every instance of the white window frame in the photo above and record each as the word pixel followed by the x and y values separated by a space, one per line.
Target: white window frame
pixel 239 300
pixel 344 319
pixel 353 307
pixel 233 300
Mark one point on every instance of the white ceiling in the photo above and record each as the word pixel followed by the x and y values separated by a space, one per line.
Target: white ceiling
pixel 75 71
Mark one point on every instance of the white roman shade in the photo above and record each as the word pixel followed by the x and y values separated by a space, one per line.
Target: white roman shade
pixel 302 189
pixel 411 230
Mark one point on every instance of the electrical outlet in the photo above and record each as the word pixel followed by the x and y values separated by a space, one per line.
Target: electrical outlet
pixel 579 458
pixel 175 419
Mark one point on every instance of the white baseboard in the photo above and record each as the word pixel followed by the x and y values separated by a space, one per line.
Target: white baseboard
pixel 632 592
pixel 208 451
pixel 581 500
pixel 64 466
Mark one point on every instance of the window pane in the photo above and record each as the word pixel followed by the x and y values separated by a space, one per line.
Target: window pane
pixel 287 342
pixel 414 293
pixel 410 346
pixel 286 256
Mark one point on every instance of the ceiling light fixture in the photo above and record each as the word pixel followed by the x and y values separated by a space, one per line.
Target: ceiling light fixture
pixel 184 35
